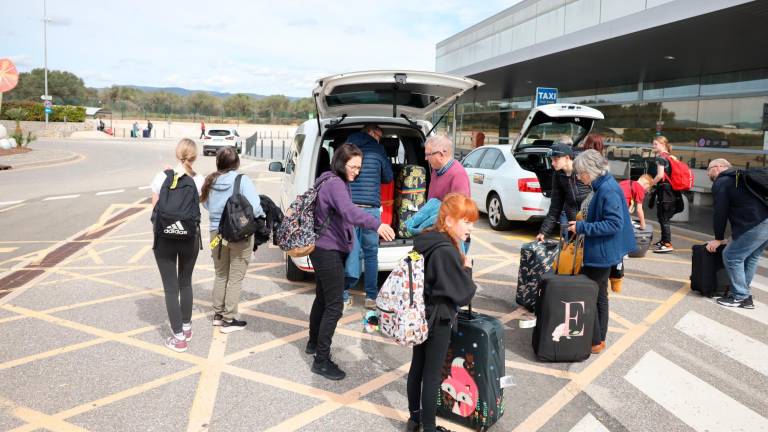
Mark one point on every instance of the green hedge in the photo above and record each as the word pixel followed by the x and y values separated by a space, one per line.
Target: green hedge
pixel 36 112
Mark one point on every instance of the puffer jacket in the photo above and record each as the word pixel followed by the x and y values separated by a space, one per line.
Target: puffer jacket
pixel 567 195
pixel 376 169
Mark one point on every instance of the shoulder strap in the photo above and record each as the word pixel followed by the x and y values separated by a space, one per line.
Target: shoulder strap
pixel 236 187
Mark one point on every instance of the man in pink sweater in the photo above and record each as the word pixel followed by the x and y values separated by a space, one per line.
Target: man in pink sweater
pixel 447 173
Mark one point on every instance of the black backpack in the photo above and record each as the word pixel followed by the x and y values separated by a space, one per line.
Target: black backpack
pixel 177 213
pixel 237 220
pixel 756 180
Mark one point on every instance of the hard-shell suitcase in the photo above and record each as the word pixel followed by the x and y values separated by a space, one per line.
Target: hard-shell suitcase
pixel 643 239
pixel 471 393
pixel 708 274
pixel 565 315
pixel 536 259
pixel 410 195
pixel 387 202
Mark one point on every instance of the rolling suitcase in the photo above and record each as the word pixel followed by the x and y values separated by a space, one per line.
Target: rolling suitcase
pixel 708 275
pixel 536 259
pixel 410 196
pixel 565 314
pixel 387 202
pixel 471 393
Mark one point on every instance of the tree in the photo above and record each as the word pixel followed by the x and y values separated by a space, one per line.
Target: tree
pixel 201 103
pixel 66 87
pixel 240 105
pixel 300 108
pixel 274 104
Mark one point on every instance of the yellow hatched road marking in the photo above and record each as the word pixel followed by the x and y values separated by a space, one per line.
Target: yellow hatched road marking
pixel 7 249
pixel 139 255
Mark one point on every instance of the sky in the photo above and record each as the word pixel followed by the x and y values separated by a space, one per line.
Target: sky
pixel 276 47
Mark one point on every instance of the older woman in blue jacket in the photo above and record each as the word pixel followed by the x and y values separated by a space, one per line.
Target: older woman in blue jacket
pixel 607 230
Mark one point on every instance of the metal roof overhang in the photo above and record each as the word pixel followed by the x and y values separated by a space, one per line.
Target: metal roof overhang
pixel 727 40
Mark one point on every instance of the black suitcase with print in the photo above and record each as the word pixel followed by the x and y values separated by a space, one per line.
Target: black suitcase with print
pixel 536 259
pixel 565 315
pixel 708 275
pixel 470 392
pixel 410 196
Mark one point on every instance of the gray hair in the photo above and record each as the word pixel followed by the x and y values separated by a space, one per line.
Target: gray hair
pixel 590 162
pixel 441 142
pixel 564 139
pixel 719 162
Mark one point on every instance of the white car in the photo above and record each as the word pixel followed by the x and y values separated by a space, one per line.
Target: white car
pixel 214 139
pixel 400 102
pixel 514 182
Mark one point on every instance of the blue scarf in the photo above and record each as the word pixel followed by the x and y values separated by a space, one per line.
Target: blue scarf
pixel 447 166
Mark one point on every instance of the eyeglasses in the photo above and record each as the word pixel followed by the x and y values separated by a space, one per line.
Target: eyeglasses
pixel 354 167
pixel 715 166
pixel 429 155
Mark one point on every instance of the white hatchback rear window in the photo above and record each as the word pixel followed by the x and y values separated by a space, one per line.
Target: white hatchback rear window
pixel 218 133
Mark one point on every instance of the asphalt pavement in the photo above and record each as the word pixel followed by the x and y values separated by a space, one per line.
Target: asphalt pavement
pixel 82 320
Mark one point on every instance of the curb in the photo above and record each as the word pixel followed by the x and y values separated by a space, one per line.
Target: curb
pixel 73 156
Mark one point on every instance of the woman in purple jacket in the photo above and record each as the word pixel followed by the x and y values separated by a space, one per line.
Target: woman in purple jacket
pixel 335 218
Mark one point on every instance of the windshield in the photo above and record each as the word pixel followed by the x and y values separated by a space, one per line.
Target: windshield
pixel 544 134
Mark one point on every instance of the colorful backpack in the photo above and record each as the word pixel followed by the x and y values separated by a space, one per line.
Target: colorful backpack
pixel 402 313
pixel 297 234
pixel 681 177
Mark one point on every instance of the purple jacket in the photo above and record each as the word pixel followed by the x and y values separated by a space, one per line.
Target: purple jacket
pixel 335 199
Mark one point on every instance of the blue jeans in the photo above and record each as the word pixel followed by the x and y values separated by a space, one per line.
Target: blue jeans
pixel 741 257
pixel 367 243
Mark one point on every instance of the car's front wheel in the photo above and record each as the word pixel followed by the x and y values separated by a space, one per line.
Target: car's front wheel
pixel 293 273
pixel 496 217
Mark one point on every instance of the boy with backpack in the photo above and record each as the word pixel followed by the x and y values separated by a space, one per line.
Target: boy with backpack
pixel 233 206
pixel 176 226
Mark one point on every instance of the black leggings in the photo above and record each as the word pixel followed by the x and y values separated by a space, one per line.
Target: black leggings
pixel 665 209
pixel 426 373
pixel 600 276
pixel 177 281
pixel 328 305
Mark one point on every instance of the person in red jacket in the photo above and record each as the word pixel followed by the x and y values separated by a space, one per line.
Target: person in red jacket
pixel 202 129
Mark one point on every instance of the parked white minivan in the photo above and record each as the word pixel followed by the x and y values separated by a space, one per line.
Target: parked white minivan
pixel 400 102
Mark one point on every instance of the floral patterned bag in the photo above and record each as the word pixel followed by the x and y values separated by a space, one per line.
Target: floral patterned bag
pixel 400 303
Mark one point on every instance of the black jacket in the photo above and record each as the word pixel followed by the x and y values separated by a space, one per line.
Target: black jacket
pixel 270 223
pixel 735 203
pixel 567 194
pixel 448 284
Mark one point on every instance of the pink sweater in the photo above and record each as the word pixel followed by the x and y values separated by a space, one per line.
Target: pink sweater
pixel 454 180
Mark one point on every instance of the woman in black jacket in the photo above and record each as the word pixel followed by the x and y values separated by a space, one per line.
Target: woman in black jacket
pixel 447 286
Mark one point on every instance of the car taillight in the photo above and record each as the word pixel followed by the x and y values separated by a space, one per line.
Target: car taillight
pixel 207 137
pixel 230 138
pixel 528 185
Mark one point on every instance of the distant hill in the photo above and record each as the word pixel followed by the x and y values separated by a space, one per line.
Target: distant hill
pixel 185 92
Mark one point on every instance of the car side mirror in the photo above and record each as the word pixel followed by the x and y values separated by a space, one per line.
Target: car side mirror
pixel 276 167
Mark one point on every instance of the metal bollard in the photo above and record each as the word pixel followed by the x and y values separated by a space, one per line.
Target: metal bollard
pixel 262 149
pixel 282 153
pixel 271 149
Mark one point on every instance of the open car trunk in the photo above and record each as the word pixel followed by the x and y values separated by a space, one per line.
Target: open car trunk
pixel 404 146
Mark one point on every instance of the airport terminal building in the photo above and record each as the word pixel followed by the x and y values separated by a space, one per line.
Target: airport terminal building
pixel 695 71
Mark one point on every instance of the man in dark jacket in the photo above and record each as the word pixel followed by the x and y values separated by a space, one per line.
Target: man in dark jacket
pixel 748 216
pixel 366 194
pixel 567 191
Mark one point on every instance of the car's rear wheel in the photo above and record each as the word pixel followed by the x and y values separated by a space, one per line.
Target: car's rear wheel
pixel 293 273
pixel 496 217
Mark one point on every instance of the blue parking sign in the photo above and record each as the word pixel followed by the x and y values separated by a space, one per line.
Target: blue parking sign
pixel 48 110
pixel 546 95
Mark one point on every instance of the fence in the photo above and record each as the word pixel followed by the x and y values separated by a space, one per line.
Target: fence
pixel 268 145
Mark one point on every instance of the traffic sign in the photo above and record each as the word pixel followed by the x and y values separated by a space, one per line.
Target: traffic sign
pixel 48 110
pixel 46 97
pixel 546 95
pixel 48 104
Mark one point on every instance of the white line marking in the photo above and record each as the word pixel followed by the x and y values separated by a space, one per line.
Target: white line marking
pixel 728 341
pixel 760 282
pixel 696 403
pixel 4 203
pixel 589 424
pixel 144 187
pixel 61 197
pixel 110 192
pixel 759 313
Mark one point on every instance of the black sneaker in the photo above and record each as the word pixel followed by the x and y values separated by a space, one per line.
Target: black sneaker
pixel 729 301
pixel 232 326
pixel 311 348
pixel 328 369
pixel 412 426
pixel 217 320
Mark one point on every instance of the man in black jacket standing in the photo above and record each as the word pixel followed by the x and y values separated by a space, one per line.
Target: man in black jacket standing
pixel 748 216
pixel 567 191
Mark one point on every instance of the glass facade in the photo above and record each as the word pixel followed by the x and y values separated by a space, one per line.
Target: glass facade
pixel 704 117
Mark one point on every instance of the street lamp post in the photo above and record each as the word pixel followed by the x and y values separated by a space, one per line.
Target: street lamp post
pixel 45 55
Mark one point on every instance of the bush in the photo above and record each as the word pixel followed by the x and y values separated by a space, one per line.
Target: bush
pixel 36 112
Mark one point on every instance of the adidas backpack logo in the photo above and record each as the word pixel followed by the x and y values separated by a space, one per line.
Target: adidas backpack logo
pixel 402 313
pixel 177 212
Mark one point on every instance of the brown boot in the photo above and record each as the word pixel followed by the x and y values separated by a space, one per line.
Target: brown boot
pixel 616 285
pixel 596 349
